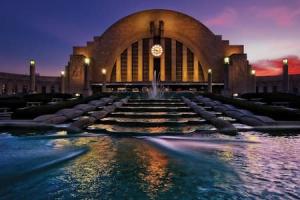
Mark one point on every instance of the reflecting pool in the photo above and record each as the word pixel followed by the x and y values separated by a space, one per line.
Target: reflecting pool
pixel 248 166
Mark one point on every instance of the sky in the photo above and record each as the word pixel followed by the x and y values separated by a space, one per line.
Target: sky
pixel 46 30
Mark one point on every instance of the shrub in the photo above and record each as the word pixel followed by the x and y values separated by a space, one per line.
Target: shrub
pixel 32 112
pixel 275 113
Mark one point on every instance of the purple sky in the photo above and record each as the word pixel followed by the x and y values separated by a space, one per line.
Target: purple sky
pixel 46 30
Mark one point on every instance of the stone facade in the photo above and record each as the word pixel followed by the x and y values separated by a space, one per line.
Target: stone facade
pixel 122 47
pixel 20 84
pixel 269 84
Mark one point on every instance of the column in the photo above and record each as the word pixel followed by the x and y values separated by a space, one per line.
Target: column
pixel 173 62
pixel 118 69
pixel 151 64
pixel 140 60
pixel 129 64
pixel 32 76
pixel 226 76
pixel 209 79
pixel 196 69
pixel 184 64
pixel 62 82
pixel 162 61
pixel 86 87
pixel 285 76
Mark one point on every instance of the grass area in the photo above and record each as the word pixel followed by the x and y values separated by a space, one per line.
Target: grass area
pixel 293 100
pixel 30 113
pixel 275 113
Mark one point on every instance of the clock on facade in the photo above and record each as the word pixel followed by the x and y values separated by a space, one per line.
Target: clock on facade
pixel 157 50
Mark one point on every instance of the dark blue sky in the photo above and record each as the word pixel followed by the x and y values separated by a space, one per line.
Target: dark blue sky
pixel 46 30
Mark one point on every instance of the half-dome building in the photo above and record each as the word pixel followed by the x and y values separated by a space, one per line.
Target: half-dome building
pixel 180 49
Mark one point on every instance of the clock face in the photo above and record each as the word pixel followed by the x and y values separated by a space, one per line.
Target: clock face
pixel 157 50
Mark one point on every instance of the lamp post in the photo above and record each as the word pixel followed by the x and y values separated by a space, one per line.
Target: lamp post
pixel 32 76
pixel 209 81
pixel 226 75
pixel 253 80
pixel 103 71
pixel 62 77
pixel 86 87
pixel 285 76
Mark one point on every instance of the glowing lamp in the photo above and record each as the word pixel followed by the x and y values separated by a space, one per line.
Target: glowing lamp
pixel 62 73
pixel 285 61
pixel 32 62
pixel 103 71
pixel 235 95
pixel 226 60
pixel 253 72
pixel 209 71
pixel 87 61
pixel 77 95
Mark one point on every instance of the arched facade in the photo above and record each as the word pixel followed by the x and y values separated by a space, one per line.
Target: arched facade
pixel 190 49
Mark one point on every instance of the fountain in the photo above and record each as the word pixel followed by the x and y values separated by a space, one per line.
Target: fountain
pixel 156 92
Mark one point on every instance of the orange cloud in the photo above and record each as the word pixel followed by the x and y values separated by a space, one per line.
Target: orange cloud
pixel 274 67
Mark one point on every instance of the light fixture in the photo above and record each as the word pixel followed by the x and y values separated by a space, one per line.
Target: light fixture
pixel 103 71
pixel 62 73
pixel 226 60
pixel 209 71
pixel 32 62
pixel 253 72
pixel 285 61
pixel 157 50
pixel 235 95
pixel 87 61
pixel 77 95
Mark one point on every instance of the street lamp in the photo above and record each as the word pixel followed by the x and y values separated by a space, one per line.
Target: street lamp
pixel 87 61
pixel 285 61
pixel 32 76
pixel 62 74
pixel 209 78
pixel 253 72
pixel 104 79
pixel 226 60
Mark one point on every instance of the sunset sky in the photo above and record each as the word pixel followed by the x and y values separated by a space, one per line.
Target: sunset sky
pixel 47 30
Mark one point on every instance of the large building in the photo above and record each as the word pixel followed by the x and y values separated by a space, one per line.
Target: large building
pixel 179 48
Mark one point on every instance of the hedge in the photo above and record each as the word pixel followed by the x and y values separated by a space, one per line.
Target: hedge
pixel 275 113
pixel 32 112
pixel 268 98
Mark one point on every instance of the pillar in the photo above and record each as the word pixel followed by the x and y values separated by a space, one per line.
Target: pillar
pixel 226 75
pixel 285 76
pixel 86 84
pixel 253 80
pixel 129 64
pixel 32 76
pixel 140 60
pixel 151 64
pixel 173 57
pixel 162 61
pixel 118 69
pixel 184 64
pixel 209 79
pixel 196 69
pixel 62 82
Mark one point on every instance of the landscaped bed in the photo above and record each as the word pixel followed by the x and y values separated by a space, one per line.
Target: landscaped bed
pixel 32 112
pixel 273 112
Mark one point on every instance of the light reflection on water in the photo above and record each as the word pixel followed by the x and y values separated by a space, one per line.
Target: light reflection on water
pixel 207 167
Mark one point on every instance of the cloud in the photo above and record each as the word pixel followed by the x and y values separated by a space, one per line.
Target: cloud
pixel 227 17
pixel 281 15
pixel 273 67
